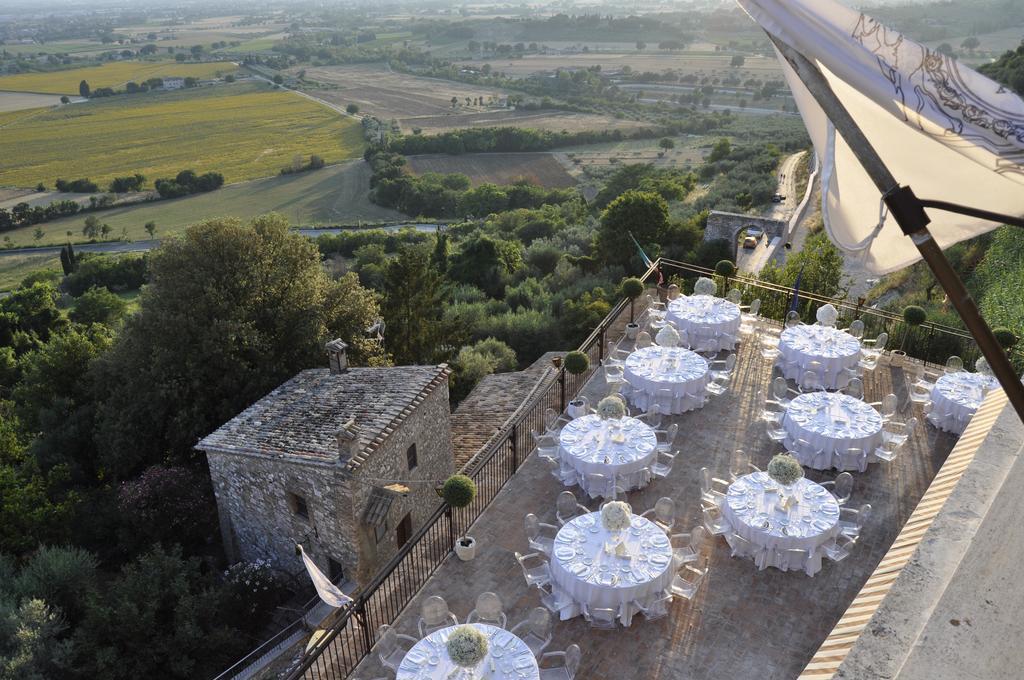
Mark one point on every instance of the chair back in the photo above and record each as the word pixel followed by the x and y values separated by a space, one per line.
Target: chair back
pixel 387 641
pixel 573 655
pixel 792 319
pixel 881 341
pixel 540 622
pixel 684 339
pixel 697 537
pixel 844 487
pixel 566 505
pixel 780 388
pixel 531 525
pixel 671 432
pixel 550 418
pixel 740 463
pixel 734 296
pixel 434 610
pixel 613 372
pixel 665 510
pixel 855 388
pixel 982 366
pixel 827 315
pixel 488 606
pixel 730 363
pixel 889 404
pixel 643 339
pixel 954 364
pixel 856 329
pixel 705 480
pixel 810 381
pixel 863 515
pixel 755 307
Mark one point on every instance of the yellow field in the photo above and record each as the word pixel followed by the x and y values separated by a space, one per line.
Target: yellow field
pixel 114 74
pixel 243 131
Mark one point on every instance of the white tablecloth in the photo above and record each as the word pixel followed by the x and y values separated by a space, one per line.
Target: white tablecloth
pixel 835 349
pixel 653 368
pixel 582 567
pixel 588 445
pixel 955 398
pixel 832 423
pixel 704 318
pixel 508 657
pixel 753 512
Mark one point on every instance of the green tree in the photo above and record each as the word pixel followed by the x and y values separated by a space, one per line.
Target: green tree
pixel 474 362
pixel 64 99
pixel 641 45
pixel 64 577
pixel 970 43
pixel 666 143
pixel 945 49
pixel 352 109
pixel 278 79
pixel 720 150
pixel 91 227
pixel 32 641
pixel 99 305
pixel 439 258
pixel 737 61
pixel 642 214
pixel 414 301
pixel 486 263
pixel 230 312
pixel 83 89
pixel 821 264
pixel 150 228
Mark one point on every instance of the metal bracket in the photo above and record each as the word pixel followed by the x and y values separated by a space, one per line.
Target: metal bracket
pixel 907 209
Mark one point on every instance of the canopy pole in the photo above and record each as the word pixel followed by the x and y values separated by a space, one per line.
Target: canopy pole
pixel 909 213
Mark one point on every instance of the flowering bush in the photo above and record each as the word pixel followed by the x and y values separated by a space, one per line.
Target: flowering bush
pixel 467 646
pixel 253 590
pixel 611 408
pixel 667 337
pixel 785 469
pixel 616 516
pixel 166 504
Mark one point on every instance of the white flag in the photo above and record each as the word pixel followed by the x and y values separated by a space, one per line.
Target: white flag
pixel 946 131
pixel 327 591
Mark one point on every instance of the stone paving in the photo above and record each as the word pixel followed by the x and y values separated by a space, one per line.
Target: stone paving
pixel 742 623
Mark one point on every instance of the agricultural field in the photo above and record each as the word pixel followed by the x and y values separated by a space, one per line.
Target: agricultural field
pixel 11 197
pixel 201 32
pixel 16 266
pixel 425 103
pixel 337 194
pixel 497 168
pixel 711 64
pixel 19 101
pixel 112 74
pixel 248 130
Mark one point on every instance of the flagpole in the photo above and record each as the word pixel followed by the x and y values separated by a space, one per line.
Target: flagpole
pixel 909 213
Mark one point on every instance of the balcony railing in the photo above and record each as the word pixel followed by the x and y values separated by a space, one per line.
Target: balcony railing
pixel 336 653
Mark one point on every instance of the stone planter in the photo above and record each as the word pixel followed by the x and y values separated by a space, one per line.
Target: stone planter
pixel 465 552
pixel 577 408
pixel 632 329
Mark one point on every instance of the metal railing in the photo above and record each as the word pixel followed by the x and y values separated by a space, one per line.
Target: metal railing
pixel 341 648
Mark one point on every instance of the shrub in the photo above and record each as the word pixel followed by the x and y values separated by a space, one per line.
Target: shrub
pixel 725 268
pixel 170 504
pixel 63 577
pixel 632 288
pixel 458 491
pixel 914 315
pixel 576 362
pixel 1005 337
pixel 251 591
pixel 98 305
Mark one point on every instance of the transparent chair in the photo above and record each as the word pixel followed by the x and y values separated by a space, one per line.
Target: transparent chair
pixel 982 366
pixel 434 615
pixel 792 319
pixel 613 376
pixel 734 296
pixel 540 536
pixel 788 557
pixel 840 548
pixel 547 445
pixel 663 513
pixel 686 582
pixel 841 487
pixel 780 390
pixel 722 376
pixel 741 465
pixel 643 339
pixel 771 411
pixel 535 569
pixel 749 316
pixel 601 486
pixel 560 665
pixel 553 421
pixel 714 522
pixel 392 646
pixel 856 329
pixel 922 386
pixel 954 364
pixel 568 508
pixel 663 401
pixel 855 389
pixel 871 351
pixel 887 407
pixel 652 416
pixel 708 490
pixel 776 432
pixel 598 617
pixel 655 608
pixel 488 610
pixel 740 547
pixel 667 437
pixel 897 433
pixel 614 356
pixel 853 458
pixel 686 547
pixel 557 601
pixel 810 381
pixel 535 631
pixel 852 521
pixel 662 465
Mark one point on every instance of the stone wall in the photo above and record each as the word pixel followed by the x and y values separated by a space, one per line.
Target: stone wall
pixel 726 225
pixel 258 520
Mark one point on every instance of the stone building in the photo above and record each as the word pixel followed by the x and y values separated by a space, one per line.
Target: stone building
pixel 342 459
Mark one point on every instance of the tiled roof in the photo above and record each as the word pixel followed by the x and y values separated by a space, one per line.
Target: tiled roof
pixel 303 416
pixel 494 399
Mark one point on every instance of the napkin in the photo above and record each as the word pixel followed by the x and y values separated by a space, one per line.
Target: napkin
pixel 621 550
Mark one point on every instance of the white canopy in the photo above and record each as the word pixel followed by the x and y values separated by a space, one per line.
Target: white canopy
pixel 946 131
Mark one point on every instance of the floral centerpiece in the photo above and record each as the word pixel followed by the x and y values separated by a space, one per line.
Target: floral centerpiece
pixel 704 286
pixel 667 337
pixel 467 646
pixel 611 408
pixel 787 471
pixel 616 516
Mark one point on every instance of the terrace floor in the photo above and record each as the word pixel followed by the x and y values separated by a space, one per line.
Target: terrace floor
pixel 743 623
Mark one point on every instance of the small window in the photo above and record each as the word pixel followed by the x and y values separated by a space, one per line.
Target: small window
pixel 298 505
pixel 404 531
pixel 410 457
pixel 380 531
pixel 335 572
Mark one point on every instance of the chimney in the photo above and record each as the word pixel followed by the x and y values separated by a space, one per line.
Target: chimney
pixel 336 356
pixel 348 439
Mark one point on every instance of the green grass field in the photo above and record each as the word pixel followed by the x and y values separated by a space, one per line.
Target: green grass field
pixel 14 268
pixel 113 74
pixel 332 195
pixel 243 131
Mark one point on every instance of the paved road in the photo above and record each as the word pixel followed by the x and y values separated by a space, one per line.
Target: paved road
pixel 753 261
pixel 109 247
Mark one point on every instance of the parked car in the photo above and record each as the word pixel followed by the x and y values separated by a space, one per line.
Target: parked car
pixel 749 242
pixel 778 198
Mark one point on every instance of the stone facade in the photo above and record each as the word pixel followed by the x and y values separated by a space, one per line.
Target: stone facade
pixel 726 225
pixel 325 460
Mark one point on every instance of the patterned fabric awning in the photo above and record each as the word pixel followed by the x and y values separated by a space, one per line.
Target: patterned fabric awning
pixel 377 506
pixel 948 132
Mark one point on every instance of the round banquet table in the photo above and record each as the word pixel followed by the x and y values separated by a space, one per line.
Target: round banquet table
pixel 711 323
pixel 752 508
pixel 956 397
pixel 655 368
pixel 836 350
pixel 832 423
pixel 508 657
pixel 583 568
pixel 587 444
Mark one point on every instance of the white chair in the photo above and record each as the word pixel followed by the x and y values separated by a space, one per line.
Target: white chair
pixel 561 471
pixel 734 296
pixel 887 407
pixel 856 329
pixel 741 547
pixel 663 400
pixel 667 437
pixel 922 385
pixel 722 377
pixel 686 582
pixel 560 665
pixel 852 521
pixel 855 389
pixel 714 521
pixel 827 315
pixel 535 569
pixel 568 508
pixel 871 351
pixel 435 615
pixel 663 513
pixel 954 364
pixel 488 610
pixel 839 549
pixel 615 356
pixel 613 376
pixel 663 463
pixel 535 631
pixel 897 433
pixel 792 319
pixel 841 487
pixel 557 601
pixel 389 647
pixel 786 557
pixel 708 490
pixel 652 416
pixel 776 432
pixel 654 608
pixel 749 317
pixel 810 381
pixel 741 465
pixel 853 458
pixel 643 339
pixel 547 445
pixel 600 617
pixel 686 547
pixel 553 421
pixel 539 535
pixel 601 486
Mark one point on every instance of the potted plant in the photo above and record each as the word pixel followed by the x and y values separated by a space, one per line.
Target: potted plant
pixel 577 363
pixel 1005 337
pixel 913 316
pixel 458 492
pixel 632 288
pixel 726 269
